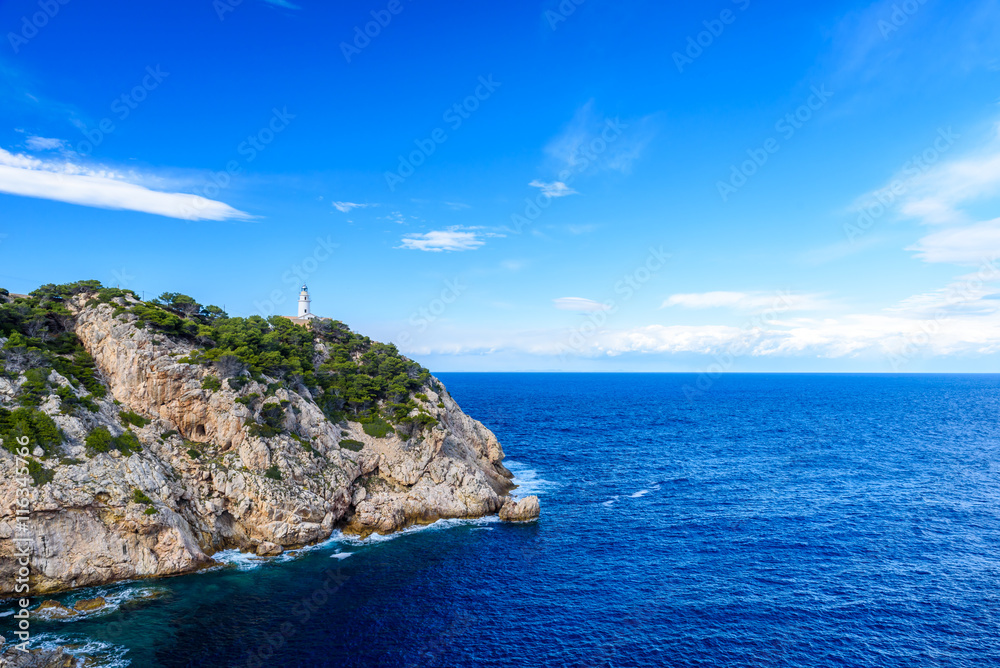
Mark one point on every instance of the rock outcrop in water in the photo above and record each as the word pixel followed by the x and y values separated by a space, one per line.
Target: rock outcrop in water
pixel 191 470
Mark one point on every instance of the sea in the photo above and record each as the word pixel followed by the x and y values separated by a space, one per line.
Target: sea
pixel 748 520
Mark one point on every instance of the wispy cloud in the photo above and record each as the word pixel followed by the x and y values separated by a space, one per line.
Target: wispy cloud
pixel 594 142
pixel 950 195
pixel 969 244
pixel 43 143
pixel 940 195
pixel 64 181
pixel 579 304
pixel 452 239
pixel 744 301
pixel 346 207
pixel 553 189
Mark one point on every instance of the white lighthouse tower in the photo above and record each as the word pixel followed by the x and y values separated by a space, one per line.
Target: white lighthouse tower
pixel 304 302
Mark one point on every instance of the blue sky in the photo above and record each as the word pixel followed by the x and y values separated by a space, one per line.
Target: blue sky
pixel 589 185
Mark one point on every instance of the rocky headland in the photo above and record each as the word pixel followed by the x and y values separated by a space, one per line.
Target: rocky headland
pixel 162 432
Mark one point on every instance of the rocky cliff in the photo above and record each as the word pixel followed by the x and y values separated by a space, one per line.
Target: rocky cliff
pixel 177 461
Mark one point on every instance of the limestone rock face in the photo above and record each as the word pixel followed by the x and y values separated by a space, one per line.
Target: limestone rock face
pixel 212 484
pixel 525 510
pixel 39 658
pixel 267 549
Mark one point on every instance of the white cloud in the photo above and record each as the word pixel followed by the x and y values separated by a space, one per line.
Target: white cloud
pixel 939 195
pixel 969 244
pixel 43 143
pixel 947 194
pixel 553 189
pixel 64 181
pixel 396 217
pixel 579 304
pixel 451 239
pixel 345 207
pixel 891 338
pixel 744 301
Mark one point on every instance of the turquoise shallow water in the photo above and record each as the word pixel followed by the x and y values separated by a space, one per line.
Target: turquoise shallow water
pixel 776 520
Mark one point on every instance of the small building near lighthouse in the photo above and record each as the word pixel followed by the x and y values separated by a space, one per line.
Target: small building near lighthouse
pixel 305 315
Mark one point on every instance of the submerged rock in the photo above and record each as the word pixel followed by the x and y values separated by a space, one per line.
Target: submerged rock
pixel 54 610
pixel 90 604
pixel 525 510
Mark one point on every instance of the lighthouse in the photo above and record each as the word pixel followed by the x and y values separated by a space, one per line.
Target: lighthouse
pixel 304 311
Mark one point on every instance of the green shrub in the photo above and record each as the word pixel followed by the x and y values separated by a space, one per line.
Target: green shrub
pixel 82 369
pixel 70 404
pixel 167 434
pixel 128 417
pixel 127 443
pixel 211 383
pixel 440 404
pixel 417 423
pixel 98 440
pixel 139 496
pixel 377 427
pixel 193 454
pixel 248 400
pixel 35 387
pixel 273 472
pixel 351 444
pixel 272 418
pixel 421 396
pixel 39 474
pixel 32 423
pixel 150 511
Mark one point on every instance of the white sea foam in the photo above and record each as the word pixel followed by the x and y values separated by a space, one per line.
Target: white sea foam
pixel 610 502
pixel 436 526
pixel 528 481
pixel 245 561
pixel 114 597
pixel 241 561
pixel 98 654
pixel 641 492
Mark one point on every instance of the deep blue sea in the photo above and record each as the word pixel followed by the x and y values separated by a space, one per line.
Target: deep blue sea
pixel 774 520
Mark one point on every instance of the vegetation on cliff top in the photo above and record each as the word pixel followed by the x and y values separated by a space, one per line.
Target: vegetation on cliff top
pixel 369 381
